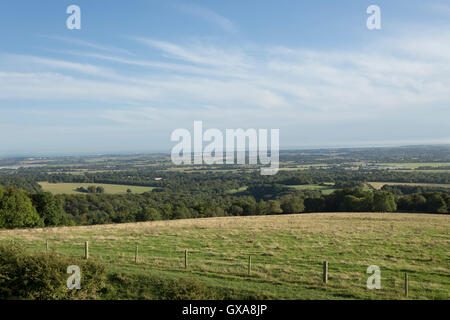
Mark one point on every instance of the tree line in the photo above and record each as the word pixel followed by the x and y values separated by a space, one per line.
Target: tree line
pixel 21 209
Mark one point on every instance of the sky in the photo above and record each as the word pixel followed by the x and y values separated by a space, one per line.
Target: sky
pixel 138 70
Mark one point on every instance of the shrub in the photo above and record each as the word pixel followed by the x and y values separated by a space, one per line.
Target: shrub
pixel 126 286
pixel 44 276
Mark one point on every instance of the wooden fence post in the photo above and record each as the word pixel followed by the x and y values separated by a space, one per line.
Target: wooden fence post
pixel 325 272
pixel 86 250
pixel 249 264
pixel 406 284
pixel 136 254
pixel 185 259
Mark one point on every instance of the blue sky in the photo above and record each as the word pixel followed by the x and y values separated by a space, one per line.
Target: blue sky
pixel 138 70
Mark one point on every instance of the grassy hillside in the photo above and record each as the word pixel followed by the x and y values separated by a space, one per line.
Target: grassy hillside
pixel 287 253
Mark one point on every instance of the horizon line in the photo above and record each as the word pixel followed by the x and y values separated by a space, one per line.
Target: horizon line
pixel 155 152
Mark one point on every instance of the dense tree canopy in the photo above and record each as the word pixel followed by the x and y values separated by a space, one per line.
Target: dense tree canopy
pixel 49 208
pixel 17 211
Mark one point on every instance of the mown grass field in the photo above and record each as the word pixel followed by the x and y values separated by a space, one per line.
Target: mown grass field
pixel 241 189
pixel 70 188
pixel 414 165
pixel 287 254
pixel 324 189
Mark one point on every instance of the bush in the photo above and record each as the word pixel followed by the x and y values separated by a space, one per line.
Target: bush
pixel 128 286
pixel 44 276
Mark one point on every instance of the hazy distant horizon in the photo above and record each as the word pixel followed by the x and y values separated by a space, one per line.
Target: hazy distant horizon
pixel 167 152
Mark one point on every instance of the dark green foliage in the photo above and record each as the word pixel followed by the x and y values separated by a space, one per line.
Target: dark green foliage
pixel 405 189
pixel 292 204
pixel 17 211
pixel 315 204
pixel 358 200
pixel 49 208
pixel 383 201
pixel 125 286
pixel 148 214
pixel 267 191
pixel 44 276
pixel 425 202
pixel 347 184
pixel 91 189
pixel 27 183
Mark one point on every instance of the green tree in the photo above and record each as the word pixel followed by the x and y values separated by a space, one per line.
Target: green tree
pixel 274 206
pixel 48 208
pixel 236 210
pixel 435 203
pixel 17 211
pixel 292 204
pixel 92 189
pixel 100 190
pixel 315 204
pixel 384 201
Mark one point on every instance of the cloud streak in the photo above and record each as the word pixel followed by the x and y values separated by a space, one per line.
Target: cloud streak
pixel 397 84
pixel 209 16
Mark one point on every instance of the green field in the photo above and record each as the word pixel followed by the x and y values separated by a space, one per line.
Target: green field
pixel 324 189
pixel 69 188
pixel 241 189
pixel 414 165
pixel 287 254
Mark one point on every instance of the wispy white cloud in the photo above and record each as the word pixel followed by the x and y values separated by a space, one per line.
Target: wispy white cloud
pixel 359 80
pixel 53 86
pixel 88 44
pixel 197 53
pixel 57 64
pixel 179 68
pixel 208 15
pixel 393 82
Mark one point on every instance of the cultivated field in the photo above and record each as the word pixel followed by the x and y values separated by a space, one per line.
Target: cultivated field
pixel 287 254
pixel 70 188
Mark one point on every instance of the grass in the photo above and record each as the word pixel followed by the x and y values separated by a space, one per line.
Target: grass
pixel 379 185
pixel 287 254
pixel 69 188
pixel 422 170
pixel 325 189
pixel 414 165
pixel 241 189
